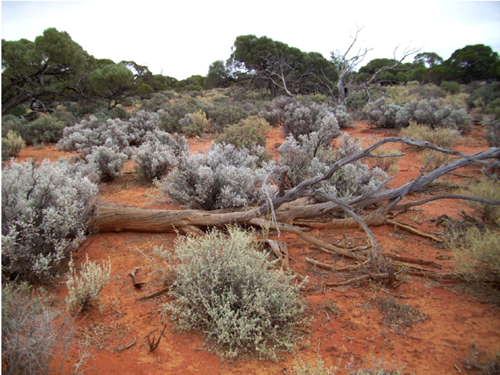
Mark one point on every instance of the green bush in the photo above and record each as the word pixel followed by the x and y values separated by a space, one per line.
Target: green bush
pixel 227 288
pixel 194 124
pixel 29 333
pixel 223 116
pixel 450 87
pixel 247 133
pixel 45 129
pixel 11 122
pixel 12 145
pixel 484 96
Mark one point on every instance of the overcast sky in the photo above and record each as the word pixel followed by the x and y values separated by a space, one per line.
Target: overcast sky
pixel 183 37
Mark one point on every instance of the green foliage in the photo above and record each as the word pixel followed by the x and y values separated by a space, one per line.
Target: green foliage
pixel 156 102
pixel 474 63
pixel 45 129
pixel 486 98
pixel 84 289
pixel 450 87
pixel 226 287
pixel 493 133
pixel 12 145
pixel 29 331
pixel 224 115
pixel 488 188
pixel 41 72
pixel 112 82
pixel 247 133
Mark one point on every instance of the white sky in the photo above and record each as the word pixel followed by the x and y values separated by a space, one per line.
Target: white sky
pixel 183 37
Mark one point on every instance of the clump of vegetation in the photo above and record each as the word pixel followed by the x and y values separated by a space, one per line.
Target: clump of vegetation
pixel 194 124
pixel 386 160
pixel 450 87
pixel 159 154
pixel 45 211
pixel 248 133
pixel 12 145
pixel 399 316
pixel 45 129
pixel 224 177
pixel 227 288
pixel 84 289
pixel 488 188
pixel 107 160
pixel 29 333
pixel 381 114
pixel 486 99
pixel 303 118
pixel 310 157
pixel 477 252
pixel 485 367
pixel 493 133
pixel 225 115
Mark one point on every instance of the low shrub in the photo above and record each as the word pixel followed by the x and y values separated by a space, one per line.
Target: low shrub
pixel 442 137
pixel 158 101
pixel 247 133
pixel 12 145
pixel 224 177
pixel 29 333
pixel 227 288
pixel 476 250
pixel 140 124
pixel 107 160
pixel 309 158
pixel 194 125
pixel 399 316
pixel 14 123
pixel 493 133
pixel 45 129
pixel 84 290
pixel 450 87
pixel 159 153
pixel 488 188
pixel 305 118
pixel 344 119
pixel 45 211
pixel 380 114
pixel 485 98
pixel 225 115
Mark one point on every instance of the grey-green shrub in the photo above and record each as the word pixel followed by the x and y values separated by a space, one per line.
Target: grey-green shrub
pixel 45 212
pixel 380 114
pixel 442 137
pixel 224 115
pixel 307 117
pixel 227 288
pixel 489 188
pixel 224 177
pixel 344 118
pixel 107 160
pixel 450 87
pixel 308 158
pixel 194 124
pixel 159 153
pixel 29 331
pixel 85 286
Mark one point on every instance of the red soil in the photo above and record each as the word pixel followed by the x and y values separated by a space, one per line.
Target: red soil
pixel 355 337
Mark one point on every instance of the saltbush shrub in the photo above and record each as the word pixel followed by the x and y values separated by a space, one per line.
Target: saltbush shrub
pixel 159 153
pixel 224 177
pixel 29 331
pixel 12 145
pixel 380 114
pixel 493 133
pixel 344 119
pixel 94 132
pixel 141 123
pixel 306 159
pixel 45 211
pixel 158 101
pixel 227 288
pixel 178 110
pixel 483 96
pixel 84 289
pixel 305 118
pixel 107 160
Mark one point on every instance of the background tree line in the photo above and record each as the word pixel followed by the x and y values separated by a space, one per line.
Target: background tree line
pixel 54 68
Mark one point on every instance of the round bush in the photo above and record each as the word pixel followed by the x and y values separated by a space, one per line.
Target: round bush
pixel 45 210
pixel 227 288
